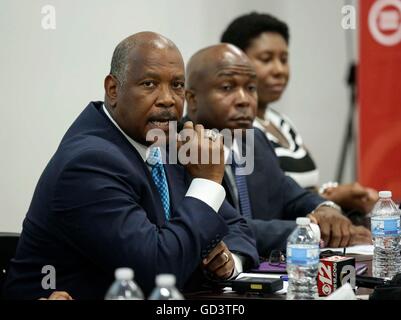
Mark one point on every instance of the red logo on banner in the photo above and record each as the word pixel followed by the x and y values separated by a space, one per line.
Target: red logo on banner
pixel 385 22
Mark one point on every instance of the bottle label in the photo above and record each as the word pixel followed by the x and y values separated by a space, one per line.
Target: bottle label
pixel 302 255
pixel 385 226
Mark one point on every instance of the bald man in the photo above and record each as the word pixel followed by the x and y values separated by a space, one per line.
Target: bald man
pixel 106 201
pixel 221 94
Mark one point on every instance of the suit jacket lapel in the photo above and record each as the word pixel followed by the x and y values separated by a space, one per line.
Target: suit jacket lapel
pixel 159 216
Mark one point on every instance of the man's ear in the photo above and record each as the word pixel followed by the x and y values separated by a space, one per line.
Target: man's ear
pixel 111 90
pixel 190 96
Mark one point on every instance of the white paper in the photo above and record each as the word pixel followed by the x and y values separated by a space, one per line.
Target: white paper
pixel 364 249
pixel 259 275
pixel 345 292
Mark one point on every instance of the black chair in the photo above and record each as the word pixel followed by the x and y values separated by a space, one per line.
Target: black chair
pixel 8 247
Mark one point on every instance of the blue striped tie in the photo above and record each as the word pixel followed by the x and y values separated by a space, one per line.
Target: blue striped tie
pixel 243 195
pixel 154 160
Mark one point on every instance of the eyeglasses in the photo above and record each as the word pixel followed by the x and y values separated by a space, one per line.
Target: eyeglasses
pixel 277 258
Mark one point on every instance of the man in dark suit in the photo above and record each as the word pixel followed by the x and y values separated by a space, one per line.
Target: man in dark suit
pixel 100 204
pixel 221 94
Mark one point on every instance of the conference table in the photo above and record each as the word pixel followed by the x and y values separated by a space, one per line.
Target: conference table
pixel 220 293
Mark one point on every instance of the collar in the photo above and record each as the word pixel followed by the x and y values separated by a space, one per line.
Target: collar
pixel 139 147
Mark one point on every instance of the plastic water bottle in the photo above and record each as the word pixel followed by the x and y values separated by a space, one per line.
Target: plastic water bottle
pixel 165 288
pixel 302 262
pixel 385 227
pixel 124 287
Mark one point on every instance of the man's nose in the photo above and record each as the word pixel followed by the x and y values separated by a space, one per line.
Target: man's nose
pixel 242 98
pixel 165 98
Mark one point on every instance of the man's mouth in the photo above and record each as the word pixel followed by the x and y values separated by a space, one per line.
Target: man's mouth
pixel 243 118
pixel 161 123
pixel 243 121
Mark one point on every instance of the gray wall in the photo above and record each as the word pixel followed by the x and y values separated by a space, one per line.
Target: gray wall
pixel 48 77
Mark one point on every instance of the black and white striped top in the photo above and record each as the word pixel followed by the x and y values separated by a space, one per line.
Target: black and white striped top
pixel 295 160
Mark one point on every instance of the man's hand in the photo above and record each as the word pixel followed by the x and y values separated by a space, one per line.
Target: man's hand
pixel 58 295
pixel 334 226
pixel 360 235
pixel 203 164
pixel 370 201
pixel 352 196
pixel 337 230
pixel 219 262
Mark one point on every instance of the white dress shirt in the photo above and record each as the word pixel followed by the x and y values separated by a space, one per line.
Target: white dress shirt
pixel 207 191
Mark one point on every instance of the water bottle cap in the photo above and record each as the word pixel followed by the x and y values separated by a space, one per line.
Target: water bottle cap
pixel 385 194
pixel 303 221
pixel 124 274
pixel 165 280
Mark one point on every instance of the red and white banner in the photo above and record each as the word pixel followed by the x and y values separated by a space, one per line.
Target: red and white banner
pixel 379 95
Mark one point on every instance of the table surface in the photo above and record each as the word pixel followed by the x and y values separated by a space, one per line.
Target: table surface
pixel 218 293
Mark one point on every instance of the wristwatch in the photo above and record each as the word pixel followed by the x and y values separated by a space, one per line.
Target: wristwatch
pixel 330 204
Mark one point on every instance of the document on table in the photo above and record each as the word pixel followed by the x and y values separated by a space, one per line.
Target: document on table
pixel 364 249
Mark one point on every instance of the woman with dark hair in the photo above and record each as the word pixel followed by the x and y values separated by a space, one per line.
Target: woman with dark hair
pixel 265 39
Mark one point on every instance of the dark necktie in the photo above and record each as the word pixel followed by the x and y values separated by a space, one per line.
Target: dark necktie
pixel 242 188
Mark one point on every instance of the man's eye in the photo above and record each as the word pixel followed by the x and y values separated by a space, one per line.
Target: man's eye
pixel 226 87
pixel 148 84
pixel 252 88
pixel 178 85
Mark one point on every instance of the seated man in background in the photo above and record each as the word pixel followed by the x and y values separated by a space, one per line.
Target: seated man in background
pixel 265 40
pixel 104 201
pixel 222 93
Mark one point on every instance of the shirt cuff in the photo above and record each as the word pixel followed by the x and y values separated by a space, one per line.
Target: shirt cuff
pixel 238 267
pixel 330 204
pixel 208 191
